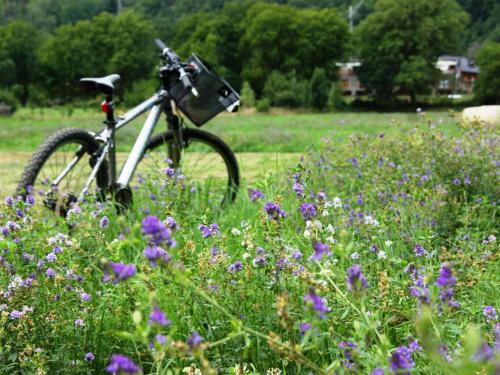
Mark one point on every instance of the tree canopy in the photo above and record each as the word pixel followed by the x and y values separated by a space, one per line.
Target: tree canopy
pixel 487 88
pixel 400 41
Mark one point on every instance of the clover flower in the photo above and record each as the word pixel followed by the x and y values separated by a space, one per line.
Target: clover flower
pixel 171 223
pixel 320 250
pixel 50 272
pixel 445 282
pixel 304 327
pixel 235 267
pixel 194 340
pixel 119 272
pixel 349 349
pixel 209 231
pixel 157 231
pixel 104 222
pixel 401 362
pixel 298 189
pixel 158 317
pixel 259 261
pixel 122 364
pixel 317 303
pixel 156 254
pixel 274 211
pixel 356 281
pixel 419 250
pixel 490 313
pixel 483 354
pixel 255 194
pixel 89 357
pixel 308 211
pixel 85 297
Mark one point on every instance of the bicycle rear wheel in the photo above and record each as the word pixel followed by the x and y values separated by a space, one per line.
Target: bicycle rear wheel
pixel 207 166
pixel 67 153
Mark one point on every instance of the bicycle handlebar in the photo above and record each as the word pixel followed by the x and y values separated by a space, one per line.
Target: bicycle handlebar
pixel 175 62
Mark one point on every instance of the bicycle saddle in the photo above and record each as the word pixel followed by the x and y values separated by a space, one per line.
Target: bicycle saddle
pixel 103 84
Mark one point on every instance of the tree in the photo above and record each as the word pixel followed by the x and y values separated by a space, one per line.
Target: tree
pixel 487 87
pixel 399 43
pixel 19 41
pixel 107 44
pixel 283 38
pixel 319 87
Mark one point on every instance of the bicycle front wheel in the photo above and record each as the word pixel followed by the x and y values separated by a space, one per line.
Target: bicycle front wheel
pixel 207 166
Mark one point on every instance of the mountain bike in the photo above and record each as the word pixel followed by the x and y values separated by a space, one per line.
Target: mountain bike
pixel 74 164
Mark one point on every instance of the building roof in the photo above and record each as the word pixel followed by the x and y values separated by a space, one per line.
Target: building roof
pixel 463 64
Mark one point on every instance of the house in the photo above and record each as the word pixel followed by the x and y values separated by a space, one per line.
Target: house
pixel 349 81
pixel 458 74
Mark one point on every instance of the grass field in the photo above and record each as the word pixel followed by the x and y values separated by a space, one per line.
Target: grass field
pixel 263 142
pixel 374 255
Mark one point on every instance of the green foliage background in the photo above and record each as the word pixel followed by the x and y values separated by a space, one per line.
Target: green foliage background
pixel 46 45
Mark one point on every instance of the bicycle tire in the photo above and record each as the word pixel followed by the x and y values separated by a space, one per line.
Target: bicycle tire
pixel 78 137
pixel 212 142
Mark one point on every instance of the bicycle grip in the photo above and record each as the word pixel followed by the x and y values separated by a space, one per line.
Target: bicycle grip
pixel 159 43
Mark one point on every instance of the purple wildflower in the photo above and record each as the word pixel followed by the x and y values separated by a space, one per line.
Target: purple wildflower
pixel 209 231
pixel 122 364
pixel 259 261
pixel 194 340
pixel 304 327
pixel 50 272
pixel 377 371
pixel 356 281
pixel 456 181
pixel 16 314
pixel 51 257
pixel 157 231
pixel 484 353
pixel 85 297
pixel 401 361
pixel 171 223
pixel 156 254
pixel 120 272
pixel 104 222
pixel 446 281
pixel 490 313
pixel 89 357
pixel 317 303
pixel 296 254
pixel 235 267
pixel 274 211
pixel 320 250
pixel 298 189
pixel 255 194
pixel 419 250
pixel 308 211
pixel 79 322
pixel 158 317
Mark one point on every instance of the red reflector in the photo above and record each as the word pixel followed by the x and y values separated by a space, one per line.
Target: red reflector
pixel 104 106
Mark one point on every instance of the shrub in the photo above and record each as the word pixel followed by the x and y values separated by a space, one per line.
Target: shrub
pixel 285 90
pixel 247 95
pixel 335 98
pixel 263 105
pixel 487 88
pixel 318 89
pixel 8 103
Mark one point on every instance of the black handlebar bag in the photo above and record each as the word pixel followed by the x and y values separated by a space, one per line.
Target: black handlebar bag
pixel 215 94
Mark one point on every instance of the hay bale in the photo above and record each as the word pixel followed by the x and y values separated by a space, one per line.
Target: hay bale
pixel 489 114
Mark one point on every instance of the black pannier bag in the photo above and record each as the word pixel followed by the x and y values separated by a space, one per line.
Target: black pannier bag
pixel 215 94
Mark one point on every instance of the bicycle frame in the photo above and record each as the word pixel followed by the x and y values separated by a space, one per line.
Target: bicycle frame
pixel 156 104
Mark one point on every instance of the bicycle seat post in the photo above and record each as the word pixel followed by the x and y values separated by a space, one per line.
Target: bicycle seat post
pixel 107 107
